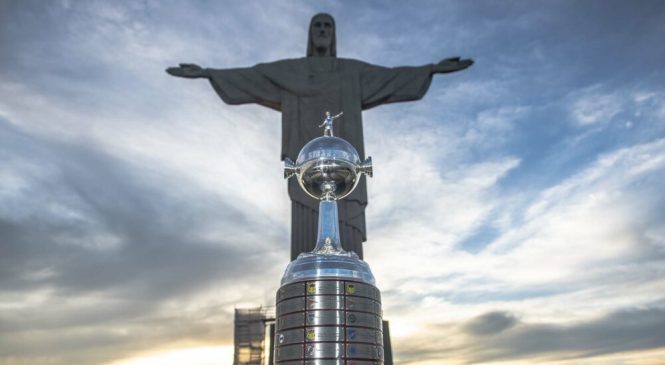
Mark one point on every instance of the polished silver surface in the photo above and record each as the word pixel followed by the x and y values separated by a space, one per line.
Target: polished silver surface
pixel 361 290
pixel 325 287
pixel 291 305
pixel 332 319
pixel 321 318
pixel 365 335
pixel 360 319
pixel 290 321
pixel 318 334
pixel 363 351
pixel 345 265
pixel 290 352
pixel 328 123
pixel 363 305
pixel 324 350
pixel 328 168
pixel 377 295
pixel 290 336
pixel 325 302
pixel 328 306
pixel 290 291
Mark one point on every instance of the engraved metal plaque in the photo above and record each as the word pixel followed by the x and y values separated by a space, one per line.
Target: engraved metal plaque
pixel 360 290
pixel 318 318
pixel 290 321
pixel 363 305
pixel 291 305
pixel 289 352
pixel 377 294
pixel 363 320
pixel 290 336
pixel 366 335
pixel 315 334
pixel 324 287
pixel 324 350
pixel 325 302
pixel 290 291
pixel 362 351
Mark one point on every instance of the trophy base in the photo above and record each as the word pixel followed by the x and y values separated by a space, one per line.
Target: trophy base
pixel 329 322
pixel 345 265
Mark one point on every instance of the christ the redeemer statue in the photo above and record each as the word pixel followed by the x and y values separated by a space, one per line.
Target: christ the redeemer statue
pixel 303 89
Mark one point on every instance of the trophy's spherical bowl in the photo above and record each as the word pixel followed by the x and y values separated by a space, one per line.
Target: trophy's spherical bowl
pixel 328 165
pixel 325 176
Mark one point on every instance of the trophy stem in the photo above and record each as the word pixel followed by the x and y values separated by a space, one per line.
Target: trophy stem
pixel 328 241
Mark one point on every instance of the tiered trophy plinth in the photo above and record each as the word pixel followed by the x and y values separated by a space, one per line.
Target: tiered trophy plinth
pixel 328 307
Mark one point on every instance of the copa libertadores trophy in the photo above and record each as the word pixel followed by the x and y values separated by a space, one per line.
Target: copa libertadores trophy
pixel 328 307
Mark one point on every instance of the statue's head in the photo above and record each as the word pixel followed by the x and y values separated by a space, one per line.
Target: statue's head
pixel 322 40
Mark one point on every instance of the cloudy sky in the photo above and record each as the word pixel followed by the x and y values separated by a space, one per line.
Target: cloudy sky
pixel 516 214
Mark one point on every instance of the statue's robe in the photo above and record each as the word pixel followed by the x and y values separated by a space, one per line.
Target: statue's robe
pixel 303 89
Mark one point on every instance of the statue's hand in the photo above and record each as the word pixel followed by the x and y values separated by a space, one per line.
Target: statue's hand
pixel 452 64
pixel 188 70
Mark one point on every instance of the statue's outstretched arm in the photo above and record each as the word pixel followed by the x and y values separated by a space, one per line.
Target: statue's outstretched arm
pixel 451 65
pixel 188 70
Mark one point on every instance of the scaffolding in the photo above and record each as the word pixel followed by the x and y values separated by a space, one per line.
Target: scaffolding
pixel 250 335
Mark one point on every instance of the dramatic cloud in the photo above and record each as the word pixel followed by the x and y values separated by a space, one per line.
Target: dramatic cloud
pixel 490 323
pixel 499 336
pixel 618 332
pixel 516 213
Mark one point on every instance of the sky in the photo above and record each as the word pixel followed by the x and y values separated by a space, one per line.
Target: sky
pixel 516 213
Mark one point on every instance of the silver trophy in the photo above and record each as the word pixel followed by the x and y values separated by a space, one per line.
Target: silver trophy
pixel 328 307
